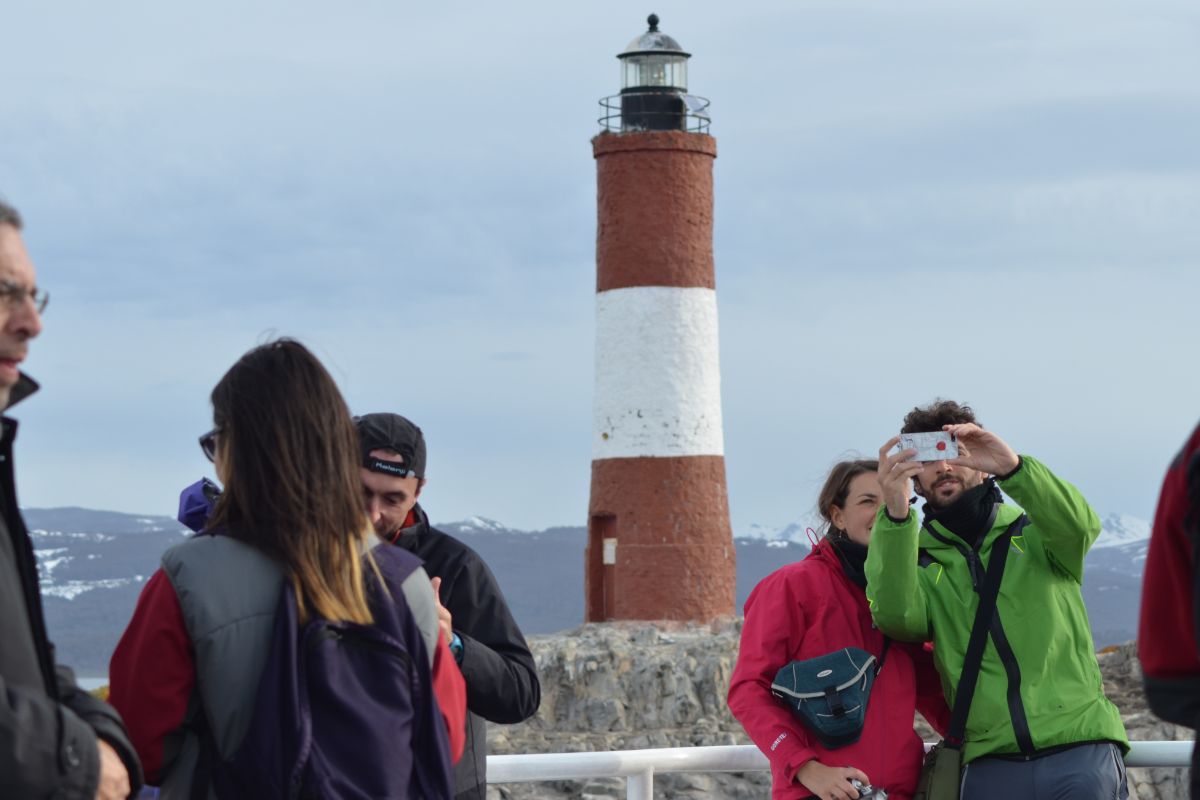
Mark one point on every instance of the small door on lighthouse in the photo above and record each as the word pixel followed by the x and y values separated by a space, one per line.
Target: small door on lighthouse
pixel 601 568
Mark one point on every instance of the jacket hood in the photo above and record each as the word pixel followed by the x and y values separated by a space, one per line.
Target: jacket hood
pixel 24 387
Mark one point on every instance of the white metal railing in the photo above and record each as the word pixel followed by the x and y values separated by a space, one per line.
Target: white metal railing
pixel 639 766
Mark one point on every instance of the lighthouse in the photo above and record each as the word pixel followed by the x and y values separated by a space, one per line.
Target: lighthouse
pixel 659 541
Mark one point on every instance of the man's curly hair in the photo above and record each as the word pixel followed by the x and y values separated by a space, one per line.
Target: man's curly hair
pixel 938 413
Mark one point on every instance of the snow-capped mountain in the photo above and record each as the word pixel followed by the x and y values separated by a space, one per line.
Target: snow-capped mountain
pixel 1121 529
pixel 474 525
pixel 792 532
pixel 81 551
pixel 1115 530
pixel 93 566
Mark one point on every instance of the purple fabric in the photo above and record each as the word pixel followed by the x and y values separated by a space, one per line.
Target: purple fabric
pixel 196 503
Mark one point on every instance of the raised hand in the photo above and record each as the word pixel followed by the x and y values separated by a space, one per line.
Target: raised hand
pixel 982 450
pixel 830 783
pixel 444 619
pixel 895 477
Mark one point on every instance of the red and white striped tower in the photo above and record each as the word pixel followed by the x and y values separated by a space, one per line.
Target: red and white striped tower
pixel 659 540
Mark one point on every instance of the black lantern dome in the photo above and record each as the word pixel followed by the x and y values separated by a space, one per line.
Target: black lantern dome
pixel 654 61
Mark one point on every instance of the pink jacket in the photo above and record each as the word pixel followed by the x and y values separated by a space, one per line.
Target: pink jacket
pixel 808 609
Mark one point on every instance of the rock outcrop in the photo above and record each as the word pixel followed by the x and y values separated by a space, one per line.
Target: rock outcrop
pixel 627 686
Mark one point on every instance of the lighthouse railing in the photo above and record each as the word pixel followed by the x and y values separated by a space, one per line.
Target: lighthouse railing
pixel 639 767
pixel 630 112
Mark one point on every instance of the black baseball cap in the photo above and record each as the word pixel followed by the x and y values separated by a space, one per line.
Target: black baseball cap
pixel 391 432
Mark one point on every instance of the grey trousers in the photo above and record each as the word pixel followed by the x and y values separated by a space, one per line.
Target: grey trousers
pixel 1086 772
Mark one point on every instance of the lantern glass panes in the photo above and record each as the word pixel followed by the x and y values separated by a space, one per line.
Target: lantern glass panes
pixel 654 71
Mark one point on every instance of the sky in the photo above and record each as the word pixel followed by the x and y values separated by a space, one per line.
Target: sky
pixel 993 201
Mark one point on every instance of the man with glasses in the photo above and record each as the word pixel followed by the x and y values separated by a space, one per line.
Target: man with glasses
pixel 502 682
pixel 55 739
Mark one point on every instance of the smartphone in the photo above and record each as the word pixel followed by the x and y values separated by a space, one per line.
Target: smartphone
pixel 931 446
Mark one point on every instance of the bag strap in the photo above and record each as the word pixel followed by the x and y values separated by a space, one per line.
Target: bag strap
pixel 887 643
pixel 202 776
pixel 988 593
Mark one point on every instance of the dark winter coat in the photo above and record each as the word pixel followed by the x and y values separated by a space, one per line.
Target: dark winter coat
pixel 48 725
pixel 502 681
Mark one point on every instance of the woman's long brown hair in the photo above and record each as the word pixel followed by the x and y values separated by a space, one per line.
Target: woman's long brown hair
pixel 292 489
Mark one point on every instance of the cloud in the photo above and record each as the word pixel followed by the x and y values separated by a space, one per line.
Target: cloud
pixel 411 191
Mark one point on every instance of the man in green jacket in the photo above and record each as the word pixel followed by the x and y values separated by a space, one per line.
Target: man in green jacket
pixel 1039 723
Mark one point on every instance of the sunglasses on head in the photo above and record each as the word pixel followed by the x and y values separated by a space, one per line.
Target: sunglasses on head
pixel 208 444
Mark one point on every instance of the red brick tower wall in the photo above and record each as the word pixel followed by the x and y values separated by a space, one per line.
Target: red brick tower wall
pixel 660 544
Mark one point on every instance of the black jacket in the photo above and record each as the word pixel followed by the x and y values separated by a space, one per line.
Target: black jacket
pixel 502 681
pixel 48 725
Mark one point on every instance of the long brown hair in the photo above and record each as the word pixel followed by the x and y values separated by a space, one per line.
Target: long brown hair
pixel 837 489
pixel 292 489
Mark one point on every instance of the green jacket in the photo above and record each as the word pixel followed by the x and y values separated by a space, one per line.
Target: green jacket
pixel 1039 685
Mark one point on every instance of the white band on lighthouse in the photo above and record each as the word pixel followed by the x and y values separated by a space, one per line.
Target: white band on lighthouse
pixel 658 377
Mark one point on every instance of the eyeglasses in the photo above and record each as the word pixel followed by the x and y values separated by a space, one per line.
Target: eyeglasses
pixel 13 294
pixel 208 444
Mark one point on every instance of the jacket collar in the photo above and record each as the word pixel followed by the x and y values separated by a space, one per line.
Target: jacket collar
pixel 419 526
pixel 24 387
pixel 971 516
pixel 850 555
pixel 826 551
pixel 1005 514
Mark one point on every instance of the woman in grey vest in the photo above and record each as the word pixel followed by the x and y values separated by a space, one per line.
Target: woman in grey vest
pixel 285 448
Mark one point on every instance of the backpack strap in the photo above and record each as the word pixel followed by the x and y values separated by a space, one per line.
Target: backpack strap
pixel 206 757
pixel 887 643
pixel 979 634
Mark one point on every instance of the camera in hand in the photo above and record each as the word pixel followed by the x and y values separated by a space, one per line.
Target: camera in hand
pixel 930 446
pixel 865 790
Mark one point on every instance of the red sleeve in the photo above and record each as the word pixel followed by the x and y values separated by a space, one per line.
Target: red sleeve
pixel 1167 631
pixel 451 692
pixel 931 700
pixel 773 623
pixel 152 673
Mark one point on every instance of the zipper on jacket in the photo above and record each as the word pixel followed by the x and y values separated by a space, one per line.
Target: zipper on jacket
pixel 972 557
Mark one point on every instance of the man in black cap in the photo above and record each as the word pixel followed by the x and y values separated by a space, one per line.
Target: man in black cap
pixel 502 682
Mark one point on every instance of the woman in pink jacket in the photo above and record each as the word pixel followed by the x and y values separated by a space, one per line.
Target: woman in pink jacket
pixel 815 607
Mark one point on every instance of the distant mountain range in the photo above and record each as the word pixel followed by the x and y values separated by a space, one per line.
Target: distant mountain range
pixel 1116 530
pixel 94 564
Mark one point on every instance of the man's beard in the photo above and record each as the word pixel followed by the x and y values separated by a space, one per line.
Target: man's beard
pixel 937 502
